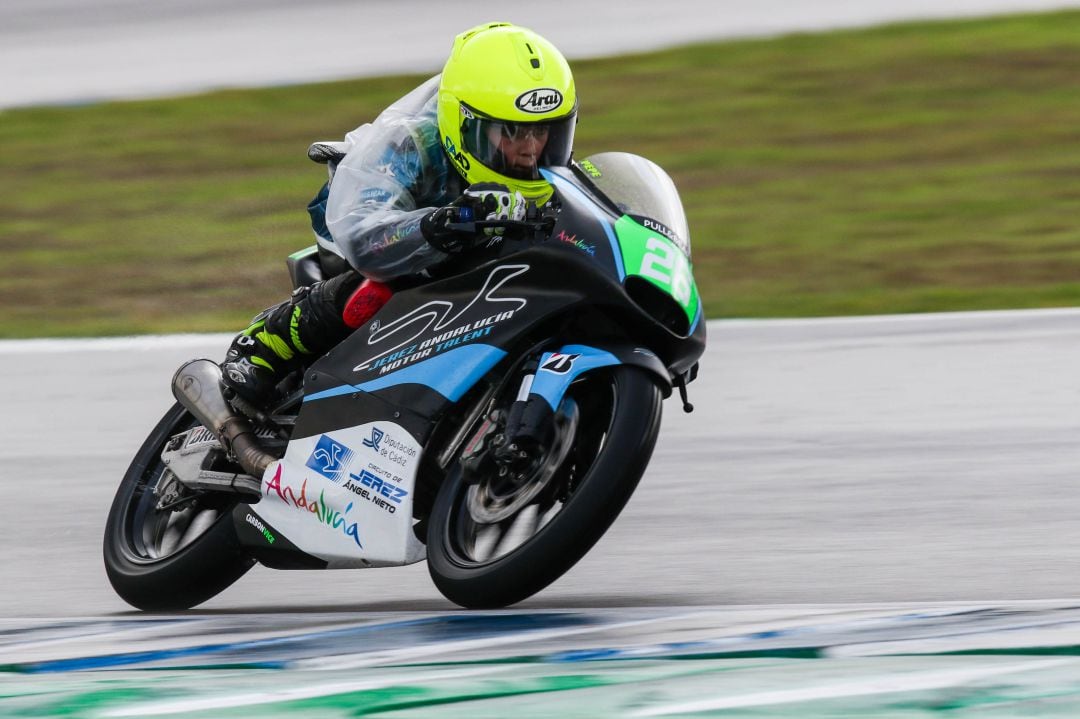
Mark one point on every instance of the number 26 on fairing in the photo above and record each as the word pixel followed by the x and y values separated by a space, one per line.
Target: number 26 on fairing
pixel 661 263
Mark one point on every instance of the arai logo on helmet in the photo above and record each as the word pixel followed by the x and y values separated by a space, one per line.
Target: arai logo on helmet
pixel 544 99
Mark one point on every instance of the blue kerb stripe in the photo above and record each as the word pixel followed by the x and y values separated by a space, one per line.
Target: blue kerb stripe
pixel 119 660
pixel 668 650
pixel 564 185
pixel 442 628
pixel 451 373
pixel 586 655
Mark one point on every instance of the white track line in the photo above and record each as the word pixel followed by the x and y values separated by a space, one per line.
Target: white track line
pixel 156 342
pixel 292 694
pixel 111 344
pixel 916 681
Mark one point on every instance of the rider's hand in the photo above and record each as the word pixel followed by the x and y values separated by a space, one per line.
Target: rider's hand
pixel 498 201
pixel 482 201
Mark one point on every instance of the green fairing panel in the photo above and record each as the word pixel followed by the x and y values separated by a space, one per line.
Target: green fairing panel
pixel 653 234
pixel 649 254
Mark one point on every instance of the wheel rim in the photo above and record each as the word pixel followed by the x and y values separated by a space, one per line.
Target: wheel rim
pixel 472 544
pixel 152 534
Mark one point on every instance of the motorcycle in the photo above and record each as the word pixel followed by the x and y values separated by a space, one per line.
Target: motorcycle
pixel 494 421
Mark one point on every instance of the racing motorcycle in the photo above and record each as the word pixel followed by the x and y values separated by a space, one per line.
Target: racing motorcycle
pixel 494 421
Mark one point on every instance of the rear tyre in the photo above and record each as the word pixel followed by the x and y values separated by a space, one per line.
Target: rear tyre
pixel 172 558
pixel 486 564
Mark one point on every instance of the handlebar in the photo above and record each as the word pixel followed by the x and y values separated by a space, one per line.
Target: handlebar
pixel 540 228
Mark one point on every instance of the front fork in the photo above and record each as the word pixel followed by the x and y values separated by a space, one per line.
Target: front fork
pixel 516 438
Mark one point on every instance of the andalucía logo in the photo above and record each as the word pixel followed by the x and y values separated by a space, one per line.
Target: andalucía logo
pixel 330 458
pixel 317 508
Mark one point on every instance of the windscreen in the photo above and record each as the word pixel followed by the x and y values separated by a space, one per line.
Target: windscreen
pixel 642 190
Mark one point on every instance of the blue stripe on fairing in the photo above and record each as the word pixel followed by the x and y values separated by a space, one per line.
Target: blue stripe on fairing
pixel 697 317
pixel 450 374
pixel 564 185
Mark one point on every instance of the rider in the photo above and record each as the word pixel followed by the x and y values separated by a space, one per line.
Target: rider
pixel 468 142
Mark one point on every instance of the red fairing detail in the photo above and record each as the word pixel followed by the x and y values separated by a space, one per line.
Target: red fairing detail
pixel 362 305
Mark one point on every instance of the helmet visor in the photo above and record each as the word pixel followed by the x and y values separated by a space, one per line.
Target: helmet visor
pixel 517 149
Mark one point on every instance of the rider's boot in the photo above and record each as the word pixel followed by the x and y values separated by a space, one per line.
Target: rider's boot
pixel 288 336
pixel 259 358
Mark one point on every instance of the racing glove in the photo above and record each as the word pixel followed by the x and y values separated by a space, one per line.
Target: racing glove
pixel 482 201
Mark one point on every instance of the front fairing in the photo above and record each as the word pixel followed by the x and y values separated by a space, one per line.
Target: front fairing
pixel 624 213
pixel 640 189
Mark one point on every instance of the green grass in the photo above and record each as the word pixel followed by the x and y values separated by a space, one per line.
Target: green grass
pixel 918 167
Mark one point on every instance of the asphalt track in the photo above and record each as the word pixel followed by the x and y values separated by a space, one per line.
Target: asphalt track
pixel 910 458
pixel 844 488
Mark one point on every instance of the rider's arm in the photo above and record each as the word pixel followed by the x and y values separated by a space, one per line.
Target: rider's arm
pixel 373 217
pixel 395 174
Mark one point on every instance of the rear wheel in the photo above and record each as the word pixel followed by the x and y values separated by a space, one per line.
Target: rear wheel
pixel 491 544
pixel 165 548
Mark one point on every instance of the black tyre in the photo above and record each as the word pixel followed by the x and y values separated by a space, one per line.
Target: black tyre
pixel 172 558
pixel 490 564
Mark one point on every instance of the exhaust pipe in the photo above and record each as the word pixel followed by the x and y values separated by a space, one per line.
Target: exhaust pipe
pixel 197 386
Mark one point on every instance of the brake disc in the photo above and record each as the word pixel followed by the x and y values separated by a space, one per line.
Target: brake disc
pixel 489 507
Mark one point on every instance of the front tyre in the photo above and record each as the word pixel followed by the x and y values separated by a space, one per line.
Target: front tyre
pixel 490 564
pixel 166 558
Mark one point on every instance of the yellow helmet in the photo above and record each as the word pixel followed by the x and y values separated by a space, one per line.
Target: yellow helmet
pixel 507 106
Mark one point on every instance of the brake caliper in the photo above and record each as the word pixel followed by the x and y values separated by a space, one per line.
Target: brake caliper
pixel 477 459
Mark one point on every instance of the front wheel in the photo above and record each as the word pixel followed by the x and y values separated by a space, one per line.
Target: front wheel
pixel 166 549
pixel 484 555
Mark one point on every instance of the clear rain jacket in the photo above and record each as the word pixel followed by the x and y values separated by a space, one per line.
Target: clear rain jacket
pixel 394 173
